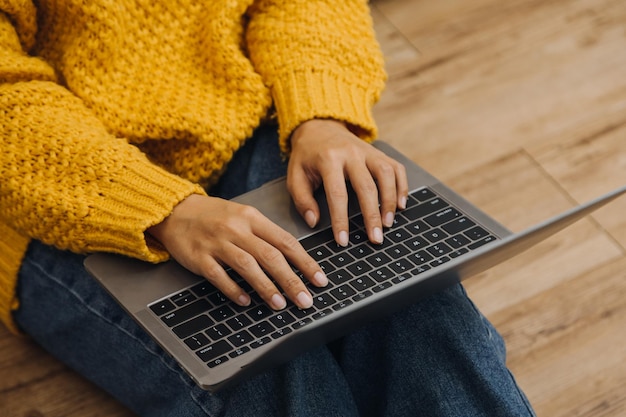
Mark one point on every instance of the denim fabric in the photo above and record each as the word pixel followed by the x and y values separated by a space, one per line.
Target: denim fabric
pixel 438 357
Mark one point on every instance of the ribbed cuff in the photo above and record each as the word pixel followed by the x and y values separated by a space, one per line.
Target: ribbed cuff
pixel 302 96
pixel 140 198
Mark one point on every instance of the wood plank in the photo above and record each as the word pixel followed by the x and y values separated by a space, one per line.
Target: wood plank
pixel 398 51
pixel 586 166
pixel 567 346
pixel 494 77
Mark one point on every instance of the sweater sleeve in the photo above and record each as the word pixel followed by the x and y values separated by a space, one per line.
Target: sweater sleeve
pixel 64 179
pixel 320 59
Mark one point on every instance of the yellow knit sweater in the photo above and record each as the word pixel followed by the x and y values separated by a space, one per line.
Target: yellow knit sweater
pixel 113 112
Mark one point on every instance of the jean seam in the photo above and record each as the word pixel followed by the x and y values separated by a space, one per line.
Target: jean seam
pixel 147 348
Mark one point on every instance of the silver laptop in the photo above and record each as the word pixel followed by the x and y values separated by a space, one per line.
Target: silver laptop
pixel 438 240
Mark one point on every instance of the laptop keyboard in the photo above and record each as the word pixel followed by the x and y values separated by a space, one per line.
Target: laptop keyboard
pixel 428 233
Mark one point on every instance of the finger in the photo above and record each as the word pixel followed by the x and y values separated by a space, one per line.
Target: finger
pixel 247 266
pixel 295 254
pixel 337 198
pixel 385 176
pixel 301 190
pixel 213 272
pixel 273 261
pixel 402 185
pixel 367 194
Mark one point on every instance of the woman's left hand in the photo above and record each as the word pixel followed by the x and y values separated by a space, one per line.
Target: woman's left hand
pixel 327 152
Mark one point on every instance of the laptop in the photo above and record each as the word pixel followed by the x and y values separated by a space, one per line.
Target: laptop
pixel 438 240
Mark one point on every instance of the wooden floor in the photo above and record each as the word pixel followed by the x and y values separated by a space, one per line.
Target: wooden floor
pixel 521 107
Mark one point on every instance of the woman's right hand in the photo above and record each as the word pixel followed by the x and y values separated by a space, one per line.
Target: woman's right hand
pixel 205 234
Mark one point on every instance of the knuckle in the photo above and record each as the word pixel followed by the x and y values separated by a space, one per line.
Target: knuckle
pixel 271 256
pixel 386 169
pixel 369 188
pixel 249 212
pixel 244 261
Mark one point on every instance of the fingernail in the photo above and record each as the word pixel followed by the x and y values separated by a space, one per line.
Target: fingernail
pixel 389 219
pixel 343 238
pixel 320 279
pixel 378 235
pixel 402 202
pixel 304 300
pixel 244 300
pixel 309 218
pixel 278 302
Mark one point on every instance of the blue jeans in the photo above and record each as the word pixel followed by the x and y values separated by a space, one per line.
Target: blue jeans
pixel 438 357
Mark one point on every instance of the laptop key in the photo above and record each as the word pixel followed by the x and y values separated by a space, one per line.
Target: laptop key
pixel 424 209
pixel 185 313
pixel 457 241
pixel 378 260
pixel 342 292
pixel 381 287
pixel 262 329
pixel 260 312
pixel 192 326
pixel 321 314
pixel 239 322
pixel 202 289
pixel 361 251
pixel 282 319
pixel 362 283
pixel 217 362
pixel 218 332
pixel 222 313
pixel 214 351
pixel 323 300
pixel 458 225
pixel 439 261
pixel 238 352
pixel 439 249
pixel 197 341
pixel 240 339
pixel 281 332
pixel 358 268
pixel 319 253
pixel 401 266
pixel 416 243
pixel 442 217
pixel 423 194
pixel 420 257
pixel 342 304
pixel 398 251
pixel 162 307
pixel 338 277
pixel 301 323
pixel 435 235
pixel 260 342
pixel 481 242
pixel 317 239
pixel 417 227
pixel 381 274
pixel 398 235
pixel 217 298
pixel 476 233
pixel 342 260
pixel 362 295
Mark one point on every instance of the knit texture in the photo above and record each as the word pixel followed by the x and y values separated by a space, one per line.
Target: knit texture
pixel 111 113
